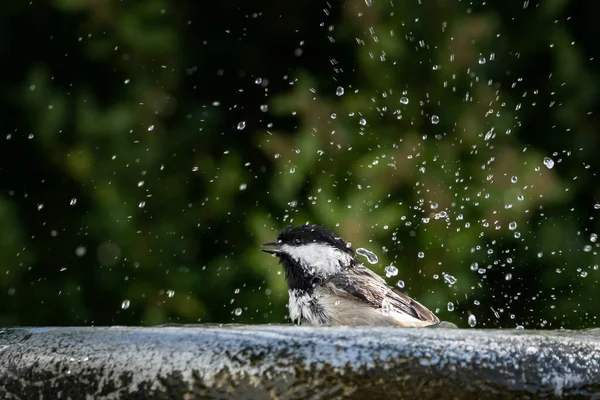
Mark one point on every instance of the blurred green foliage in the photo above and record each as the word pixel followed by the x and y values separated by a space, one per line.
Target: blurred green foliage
pixel 150 147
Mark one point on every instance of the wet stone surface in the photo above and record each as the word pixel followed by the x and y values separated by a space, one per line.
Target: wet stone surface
pixel 287 362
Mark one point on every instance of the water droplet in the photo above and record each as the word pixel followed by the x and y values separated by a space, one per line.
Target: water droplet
pixel 80 251
pixel 73 201
pixel 150 128
pixel 597 206
pixel 243 186
pixel 548 162
pixel 237 312
pixel 142 204
pixel 421 254
pixel 481 60
pixel 593 237
pixel 333 116
pixel 170 293
pixel 520 327
pixel 450 306
pixel 264 107
pixel 400 284
pixel 404 100
pixel 241 125
pixel 140 183
pixel 125 304
pixel 512 226
pixel 474 266
pixel 370 256
pixel 514 179
pixel 127 81
pixel 369 3
pixel 435 119
pixel 292 170
pixel 508 277
pixel 362 121
pixel 449 279
pixel 472 320
pixel 390 271
pixel 339 91
pixel 587 248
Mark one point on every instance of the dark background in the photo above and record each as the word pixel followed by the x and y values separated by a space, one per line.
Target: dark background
pixel 130 194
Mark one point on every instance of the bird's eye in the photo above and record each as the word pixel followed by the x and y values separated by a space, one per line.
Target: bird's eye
pixel 315 281
pixel 297 241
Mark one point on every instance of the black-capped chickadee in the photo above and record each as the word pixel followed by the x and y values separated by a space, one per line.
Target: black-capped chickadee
pixel 328 286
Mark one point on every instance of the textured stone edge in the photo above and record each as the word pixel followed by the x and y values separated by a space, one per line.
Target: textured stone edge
pixel 289 362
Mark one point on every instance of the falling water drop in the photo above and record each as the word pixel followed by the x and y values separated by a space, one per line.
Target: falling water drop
pixel 548 162
pixel 472 320
pixel 449 279
pixel 370 256
pixel 390 271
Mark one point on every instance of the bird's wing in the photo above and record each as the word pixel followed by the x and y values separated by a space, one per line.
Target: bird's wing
pixel 362 284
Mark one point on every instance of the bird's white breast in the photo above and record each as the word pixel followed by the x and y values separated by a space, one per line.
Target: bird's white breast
pixel 304 309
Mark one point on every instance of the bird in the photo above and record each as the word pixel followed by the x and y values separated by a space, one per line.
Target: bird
pixel 327 285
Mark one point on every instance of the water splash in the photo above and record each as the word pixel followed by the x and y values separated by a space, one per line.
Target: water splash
pixel 370 256
pixel 390 271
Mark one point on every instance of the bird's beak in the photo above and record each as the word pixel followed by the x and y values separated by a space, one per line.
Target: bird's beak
pixel 271 251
